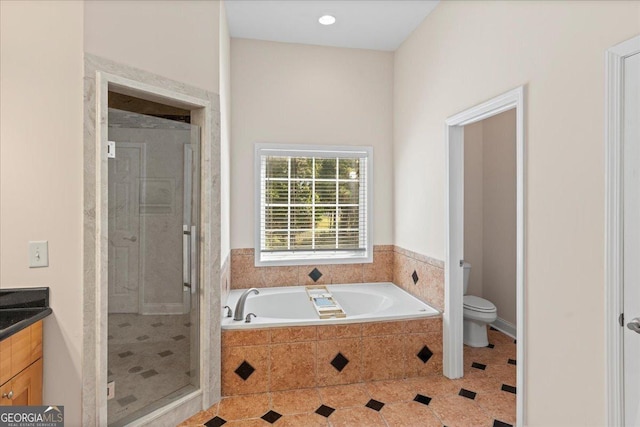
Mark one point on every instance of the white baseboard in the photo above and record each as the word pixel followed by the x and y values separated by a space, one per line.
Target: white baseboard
pixel 505 327
pixel 159 308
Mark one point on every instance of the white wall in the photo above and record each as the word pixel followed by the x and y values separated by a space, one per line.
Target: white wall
pixel 291 93
pixel 225 134
pixel 473 221
pixel 175 39
pixel 499 213
pixel 41 112
pixel 465 53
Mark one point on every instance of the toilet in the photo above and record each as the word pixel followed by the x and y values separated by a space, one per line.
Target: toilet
pixel 477 314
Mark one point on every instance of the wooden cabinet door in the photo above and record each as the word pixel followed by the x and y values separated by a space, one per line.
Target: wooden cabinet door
pixel 25 388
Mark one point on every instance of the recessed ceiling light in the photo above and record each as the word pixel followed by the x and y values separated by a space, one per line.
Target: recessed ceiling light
pixel 327 20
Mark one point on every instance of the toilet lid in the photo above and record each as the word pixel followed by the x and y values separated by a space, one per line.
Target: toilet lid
pixel 475 303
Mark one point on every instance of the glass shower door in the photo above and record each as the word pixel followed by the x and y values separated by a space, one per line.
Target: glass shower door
pixel 153 315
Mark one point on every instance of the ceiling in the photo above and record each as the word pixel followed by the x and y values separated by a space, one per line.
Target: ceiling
pixel 364 24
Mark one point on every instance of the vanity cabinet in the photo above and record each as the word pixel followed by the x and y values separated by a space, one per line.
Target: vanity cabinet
pixel 21 367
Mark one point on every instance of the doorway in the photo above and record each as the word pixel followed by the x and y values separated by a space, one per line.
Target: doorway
pixel 622 233
pixel 153 188
pixel 453 357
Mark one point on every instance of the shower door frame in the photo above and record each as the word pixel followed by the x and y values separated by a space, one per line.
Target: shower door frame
pixel 102 76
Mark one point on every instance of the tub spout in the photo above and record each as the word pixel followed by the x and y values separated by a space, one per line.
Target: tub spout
pixel 239 311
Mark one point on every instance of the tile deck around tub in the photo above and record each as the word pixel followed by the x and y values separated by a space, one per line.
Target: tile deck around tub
pixel 484 397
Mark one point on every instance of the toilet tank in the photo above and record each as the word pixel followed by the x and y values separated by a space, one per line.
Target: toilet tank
pixel 466 269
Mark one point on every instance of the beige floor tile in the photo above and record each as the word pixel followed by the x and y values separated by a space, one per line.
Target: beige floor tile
pixel 295 401
pixel 391 391
pixel 243 407
pixel 458 411
pixel 409 414
pixel 303 420
pixel 344 396
pixel 500 405
pixel 506 374
pixel 255 422
pixel 356 417
pixel 434 386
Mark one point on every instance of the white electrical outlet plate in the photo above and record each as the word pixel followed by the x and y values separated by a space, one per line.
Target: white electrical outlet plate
pixel 111 390
pixel 39 254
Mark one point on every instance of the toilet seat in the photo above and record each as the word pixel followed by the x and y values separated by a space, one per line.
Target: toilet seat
pixel 474 303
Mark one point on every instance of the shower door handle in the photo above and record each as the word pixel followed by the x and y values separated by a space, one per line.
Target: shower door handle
pixel 193 259
pixel 186 257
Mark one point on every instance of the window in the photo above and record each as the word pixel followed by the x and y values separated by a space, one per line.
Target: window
pixel 313 204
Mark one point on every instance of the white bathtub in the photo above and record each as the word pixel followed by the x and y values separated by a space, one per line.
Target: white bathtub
pixel 290 306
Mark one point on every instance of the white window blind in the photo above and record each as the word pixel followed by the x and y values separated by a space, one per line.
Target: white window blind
pixel 313 204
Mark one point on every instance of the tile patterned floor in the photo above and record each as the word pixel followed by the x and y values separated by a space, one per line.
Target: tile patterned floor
pixel 148 359
pixel 484 397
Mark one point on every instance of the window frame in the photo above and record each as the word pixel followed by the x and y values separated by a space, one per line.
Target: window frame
pixel 321 257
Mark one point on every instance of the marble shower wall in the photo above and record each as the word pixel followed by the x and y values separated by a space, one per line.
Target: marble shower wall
pixel 390 264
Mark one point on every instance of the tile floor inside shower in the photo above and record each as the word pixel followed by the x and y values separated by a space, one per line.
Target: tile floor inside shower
pixel 486 396
pixel 148 358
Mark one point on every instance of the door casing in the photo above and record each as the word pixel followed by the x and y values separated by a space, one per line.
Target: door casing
pixel 614 95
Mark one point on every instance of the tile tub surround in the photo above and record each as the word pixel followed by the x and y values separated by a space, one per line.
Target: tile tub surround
pixel 390 264
pixel 290 358
pixel 478 399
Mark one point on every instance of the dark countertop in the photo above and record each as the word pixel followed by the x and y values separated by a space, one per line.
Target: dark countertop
pixel 22 307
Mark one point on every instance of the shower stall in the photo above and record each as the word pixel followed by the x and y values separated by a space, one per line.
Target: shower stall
pixel 153 206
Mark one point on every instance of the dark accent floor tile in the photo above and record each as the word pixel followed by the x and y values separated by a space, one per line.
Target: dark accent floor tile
pixel 148 374
pixel 467 393
pixel 478 366
pixel 125 354
pixel 315 275
pixel 271 417
pixel 143 337
pixel 165 353
pixel 498 423
pixel 490 346
pixel 415 277
pixel 424 354
pixel 124 325
pixel 245 370
pixel 421 398
pixel 339 362
pixel 215 422
pixel 374 404
pixel 491 328
pixel 135 369
pixel 127 400
pixel 155 325
pixel 511 362
pixel 509 388
pixel 178 337
pixel 515 341
pixel 325 410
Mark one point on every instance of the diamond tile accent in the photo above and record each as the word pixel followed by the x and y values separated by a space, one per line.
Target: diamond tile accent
pixel 125 354
pixel 374 404
pixel 165 353
pixel 478 366
pixel 127 400
pixel 467 393
pixel 511 362
pixel 315 275
pixel 490 346
pixel 498 423
pixel 136 369
pixel 148 374
pixel 245 370
pixel 143 337
pixel 271 417
pixel 424 354
pixel 339 362
pixel 325 410
pixel 491 328
pixel 415 277
pixel 215 422
pixel 421 398
pixel 509 388
pixel 178 337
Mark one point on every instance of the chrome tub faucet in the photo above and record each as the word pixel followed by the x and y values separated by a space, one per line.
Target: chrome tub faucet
pixel 239 311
